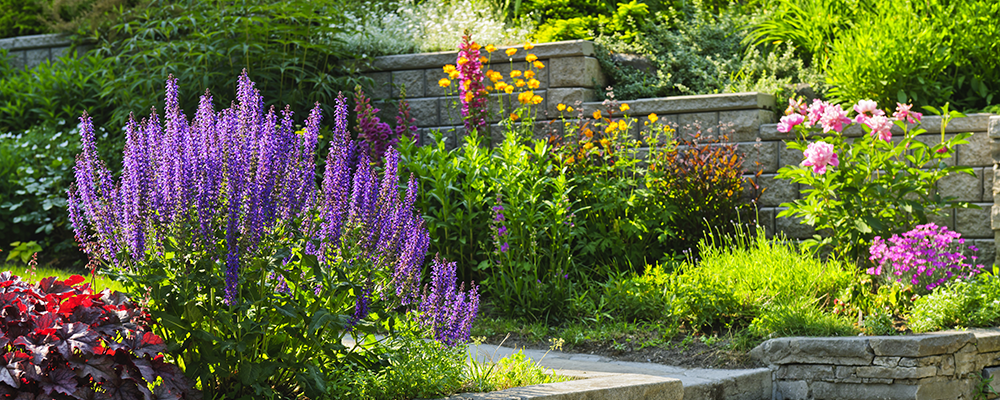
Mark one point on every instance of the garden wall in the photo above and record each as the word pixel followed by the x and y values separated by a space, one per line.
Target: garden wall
pixel 573 76
pixel 30 51
pixel 943 365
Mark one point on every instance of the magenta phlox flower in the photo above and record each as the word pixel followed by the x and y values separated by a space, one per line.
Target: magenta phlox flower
pixel 903 113
pixel 819 155
pixel 925 257
pixel 788 122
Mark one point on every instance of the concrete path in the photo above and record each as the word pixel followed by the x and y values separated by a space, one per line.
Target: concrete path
pixel 699 383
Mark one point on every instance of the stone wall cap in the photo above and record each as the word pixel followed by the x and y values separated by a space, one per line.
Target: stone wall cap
pixel 994 128
pixel 399 62
pixel 35 41
pixel 846 350
pixel 611 386
pixel 922 345
pixel 694 104
pixel 987 339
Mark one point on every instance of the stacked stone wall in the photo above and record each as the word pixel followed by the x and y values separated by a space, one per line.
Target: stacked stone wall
pixel 30 51
pixel 944 365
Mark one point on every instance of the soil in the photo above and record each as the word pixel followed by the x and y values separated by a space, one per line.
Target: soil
pixel 681 351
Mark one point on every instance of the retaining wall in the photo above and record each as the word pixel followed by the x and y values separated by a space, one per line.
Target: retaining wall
pixel 30 51
pixel 943 365
pixel 573 76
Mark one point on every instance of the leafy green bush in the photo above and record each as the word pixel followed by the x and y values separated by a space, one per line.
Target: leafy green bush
pixel 412 368
pixel 960 304
pixel 20 17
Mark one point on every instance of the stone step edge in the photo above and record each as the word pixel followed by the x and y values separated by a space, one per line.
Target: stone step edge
pixel 591 385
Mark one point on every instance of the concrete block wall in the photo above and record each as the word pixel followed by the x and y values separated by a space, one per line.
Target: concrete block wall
pixel 30 51
pixel 942 365
pixel 572 76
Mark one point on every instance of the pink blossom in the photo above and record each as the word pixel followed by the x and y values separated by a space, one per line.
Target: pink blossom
pixel 880 126
pixel 833 118
pixel 789 121
pixel 795 106
pixel 818 155
pixel 865 106
pixel 903 113
pixel 816 111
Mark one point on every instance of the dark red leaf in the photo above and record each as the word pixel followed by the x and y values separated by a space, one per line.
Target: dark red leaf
pixel 145 344
pixel 61 380
pixel 100 368
pixel 124 389
pixel 75 336
pixel 73 280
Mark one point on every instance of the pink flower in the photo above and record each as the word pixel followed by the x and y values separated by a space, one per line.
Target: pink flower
pixel 833 118
pixel 903 113
pixel 795 106
pixel 865 106
pixel 815 111
pixel 818 155
pixel 880 126
pixel 789 121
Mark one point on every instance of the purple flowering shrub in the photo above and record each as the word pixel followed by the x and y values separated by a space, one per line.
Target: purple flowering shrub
pixel 925 257
pixel 257 267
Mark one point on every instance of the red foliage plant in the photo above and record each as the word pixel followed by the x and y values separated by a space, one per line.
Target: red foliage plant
pixel 60 340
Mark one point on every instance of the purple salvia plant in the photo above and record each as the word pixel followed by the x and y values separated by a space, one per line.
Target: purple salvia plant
pixel 246 175
pixel 446 310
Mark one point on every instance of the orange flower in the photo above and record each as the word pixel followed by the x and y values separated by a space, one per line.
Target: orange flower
pixel 622 125
pixel 624 107
pixel 489 88
pixel 520 83
pixel 449 68
pixel 501 85
pixel 610 128
pixel 515 73
pixel 588 133
pixel 605 142
pixel 510 52
pixel 536 99
pixel 466 84
pixel 561 107
pixel 529 74
pixel 490 48
pixel 463 61
pixel 513 117
pixel 444 82
pixel 534 83
pixel 475 46
pixel 538 64
pixel 597 114
pixel 531 58
pixel 528 46
pixel 453 74
pixel 525 97
pixel 588 146
pixel 468 97
pixel 483 59
pixel 570 160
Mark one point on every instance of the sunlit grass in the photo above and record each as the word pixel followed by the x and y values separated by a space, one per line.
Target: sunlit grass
pixel 99 282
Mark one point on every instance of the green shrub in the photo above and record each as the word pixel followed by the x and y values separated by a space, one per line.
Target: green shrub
pixel 960 304
pixel 56 90
pixel 410 368
pixel 20 17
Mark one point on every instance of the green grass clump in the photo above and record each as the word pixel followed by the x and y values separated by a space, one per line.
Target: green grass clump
pixel 960 304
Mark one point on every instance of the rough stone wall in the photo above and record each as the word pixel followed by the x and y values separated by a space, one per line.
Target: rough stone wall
pixel 30 51
pixel 943 365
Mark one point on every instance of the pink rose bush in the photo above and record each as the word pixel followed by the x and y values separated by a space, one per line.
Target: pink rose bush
pixel 860 188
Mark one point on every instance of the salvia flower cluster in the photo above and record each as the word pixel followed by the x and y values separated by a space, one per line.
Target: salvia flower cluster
pixel 244 176
pixel 925 257
pixel 448 311
pixel 60 340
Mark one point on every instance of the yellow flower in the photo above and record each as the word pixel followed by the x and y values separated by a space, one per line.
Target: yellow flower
pixel 536 99
pixel 525 97
pixel 449 68
pixel 466 84
pixel 622 125
pixel 588 133
pixel 569 109
pixel 483 59
pixel 528 46
pixel 501 85
pixel 468 97
pixel 444 82
pixel 588 146
pixel 597 114
pixel 520 83
pixel 538 64
pixel 489 88
pixel 529 74
pixel 510 52
pixel 508 89
pixel 490 48
pixel 463 61
pixel 534 83
pixel 605 142
pixel 453 74
pixel 610 128
pixel 531 58
pixel 475 46
pixel 515 73
pixel 624 107
pixel 493 75
pixel 653 118
pixel 561 107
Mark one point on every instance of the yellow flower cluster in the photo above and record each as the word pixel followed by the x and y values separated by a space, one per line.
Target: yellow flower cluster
pixel 619 125
pixel 529 97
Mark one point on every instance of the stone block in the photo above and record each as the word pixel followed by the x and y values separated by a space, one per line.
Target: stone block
pixel 17 59
pixel 845 372
pixel 920 345
pixel 413 80
pixel 424 111
pixel 963 187
pixel 450 109
pixel 972 223
pixel 984 360
pixel 947 365
pixel 56 52
pixel 987 251
pixel 380 86
pixel 987 174
pixel 569 97
pixel 776 191
pixel 35 57
pixel 946 218
pixel 701 103
pixel 965 360
pixel 745 124
pixel 994 374
pixel 791 372
pixel 583 72
pixel 802 350
pixel 788 156
pixel 770 132
pixel 976 153
pixel 994 127
pixel 921 361
pixel 840 391
pixel 705 123
pixel 791 390
pixel 761 156
pixel 876 380
pixel 886 361
pixel 792 227
pixel 432 86
pixel 765 218
pixel 895 372
pixel 943 388
pixel 987 339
